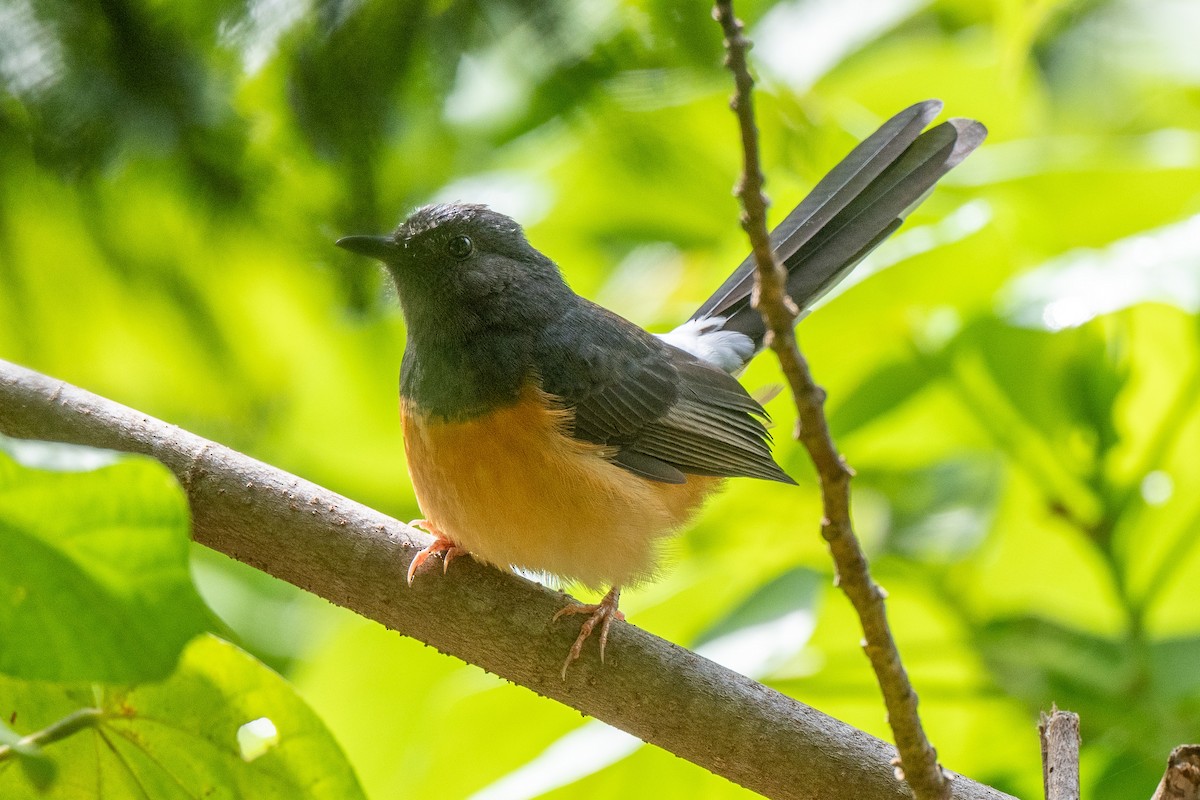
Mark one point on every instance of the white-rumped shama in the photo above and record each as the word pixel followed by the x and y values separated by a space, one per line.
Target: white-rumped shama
pixel 545 432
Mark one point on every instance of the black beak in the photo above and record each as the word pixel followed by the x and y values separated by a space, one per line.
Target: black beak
pixel 380 247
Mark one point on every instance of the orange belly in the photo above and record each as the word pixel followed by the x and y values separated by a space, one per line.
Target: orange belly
pixel 515 490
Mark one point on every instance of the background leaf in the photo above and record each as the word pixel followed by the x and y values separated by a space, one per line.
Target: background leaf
pixel 182 735
pixel 97 586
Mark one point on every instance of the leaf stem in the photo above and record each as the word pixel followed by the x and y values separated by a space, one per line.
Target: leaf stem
pixel 55 731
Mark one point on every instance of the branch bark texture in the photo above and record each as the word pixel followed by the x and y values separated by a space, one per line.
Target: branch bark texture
pixel 1181 781
pixel 357 557
pixel 918 760
pixel 1059 732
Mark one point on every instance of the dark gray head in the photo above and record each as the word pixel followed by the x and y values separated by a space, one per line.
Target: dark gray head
pixel 464 265
pixel 476 299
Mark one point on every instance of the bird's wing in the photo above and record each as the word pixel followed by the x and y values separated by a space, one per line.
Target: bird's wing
pixel 714 427
pixel 665 413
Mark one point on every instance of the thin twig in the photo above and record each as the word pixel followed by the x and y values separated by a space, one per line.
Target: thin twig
pixel 918 759
pixel 357 558
pixel 1059 731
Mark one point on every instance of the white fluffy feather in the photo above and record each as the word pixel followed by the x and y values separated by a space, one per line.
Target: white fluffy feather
pixel 705 339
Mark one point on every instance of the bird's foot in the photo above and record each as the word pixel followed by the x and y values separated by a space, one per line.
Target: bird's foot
pixel 440 544
pixel 602 614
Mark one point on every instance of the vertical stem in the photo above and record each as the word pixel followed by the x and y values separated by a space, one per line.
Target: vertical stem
pixel 1059 732
pixel 918 759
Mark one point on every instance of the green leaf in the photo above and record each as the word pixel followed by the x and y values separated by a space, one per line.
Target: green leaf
pixel 183 737
pixel 99 587
pixel 1173 668
pixel 1065 384
pixel 942 510
pixel 1043 662
pixel 887 388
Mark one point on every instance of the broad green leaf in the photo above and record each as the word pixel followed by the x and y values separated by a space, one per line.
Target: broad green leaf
pixel 222 726
pixel 95 585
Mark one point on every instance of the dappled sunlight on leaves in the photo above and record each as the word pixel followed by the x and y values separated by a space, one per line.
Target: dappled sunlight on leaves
pixel 1013 375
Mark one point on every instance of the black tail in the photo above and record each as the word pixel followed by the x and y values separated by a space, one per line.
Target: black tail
pixel 861 202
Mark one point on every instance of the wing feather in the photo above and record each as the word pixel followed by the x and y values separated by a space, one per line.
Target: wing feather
pixel 665 413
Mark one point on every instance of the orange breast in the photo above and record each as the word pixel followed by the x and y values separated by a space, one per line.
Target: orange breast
pixel 514 489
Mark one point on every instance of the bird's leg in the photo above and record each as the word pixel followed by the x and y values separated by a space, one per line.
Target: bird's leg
pixel 602 614
pixel 440 544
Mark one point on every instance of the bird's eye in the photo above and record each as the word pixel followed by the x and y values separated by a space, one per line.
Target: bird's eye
pixel 460 247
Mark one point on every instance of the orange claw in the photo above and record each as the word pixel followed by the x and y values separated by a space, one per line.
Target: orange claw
pixel 602 614
pixel 440 544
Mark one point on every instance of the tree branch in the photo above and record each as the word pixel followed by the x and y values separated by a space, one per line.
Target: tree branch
pixel 1181 781
pixel 918 759
pixel 1059 732
pixel 357 557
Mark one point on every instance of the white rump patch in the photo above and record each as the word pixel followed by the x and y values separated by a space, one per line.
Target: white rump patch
pixel 703 338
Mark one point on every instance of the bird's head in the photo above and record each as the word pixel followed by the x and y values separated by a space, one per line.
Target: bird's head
pixel 458 263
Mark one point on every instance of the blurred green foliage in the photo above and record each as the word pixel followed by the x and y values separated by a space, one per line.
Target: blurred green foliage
pixel 1014 378
pixel 104 662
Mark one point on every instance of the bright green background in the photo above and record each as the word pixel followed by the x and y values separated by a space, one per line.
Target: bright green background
pixel 1015 382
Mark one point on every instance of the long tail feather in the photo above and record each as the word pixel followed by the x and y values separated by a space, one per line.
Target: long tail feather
pixel 861 202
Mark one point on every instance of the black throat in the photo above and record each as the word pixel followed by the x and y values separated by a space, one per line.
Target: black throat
pixel 457 376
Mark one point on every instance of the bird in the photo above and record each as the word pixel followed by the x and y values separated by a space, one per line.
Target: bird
pixel 546 433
